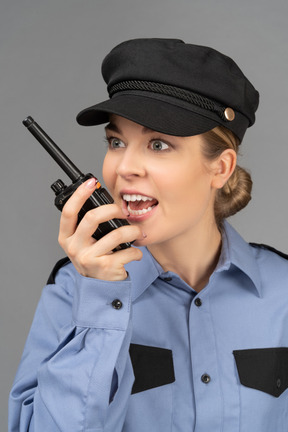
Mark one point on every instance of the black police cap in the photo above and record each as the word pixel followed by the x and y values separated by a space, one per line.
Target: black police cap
pixel 174 88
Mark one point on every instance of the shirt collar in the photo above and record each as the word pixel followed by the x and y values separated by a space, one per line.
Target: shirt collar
pixel 143 273
pixel 235 251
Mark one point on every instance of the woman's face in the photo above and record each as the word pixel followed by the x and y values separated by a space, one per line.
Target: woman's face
pixel 163 181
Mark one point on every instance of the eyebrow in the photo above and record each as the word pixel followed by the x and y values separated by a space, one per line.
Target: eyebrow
pixel 114 128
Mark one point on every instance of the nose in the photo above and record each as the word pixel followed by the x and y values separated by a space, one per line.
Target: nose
pixel 131 164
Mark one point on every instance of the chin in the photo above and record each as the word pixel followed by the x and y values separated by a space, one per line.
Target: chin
pixel 144 242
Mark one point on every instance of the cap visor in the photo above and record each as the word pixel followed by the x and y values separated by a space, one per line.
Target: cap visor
pixel 173 117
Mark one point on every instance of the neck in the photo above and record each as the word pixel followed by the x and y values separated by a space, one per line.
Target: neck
pixel 193 258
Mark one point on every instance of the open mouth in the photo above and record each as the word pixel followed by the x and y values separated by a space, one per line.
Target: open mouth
pixel 138 205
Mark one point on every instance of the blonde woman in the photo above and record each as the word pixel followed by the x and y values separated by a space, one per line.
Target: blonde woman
pixel 187 330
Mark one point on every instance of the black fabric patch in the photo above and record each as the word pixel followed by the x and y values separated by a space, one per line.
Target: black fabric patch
pixel 270 248
pixel 152 366
pixel 58 265
pixel 264 369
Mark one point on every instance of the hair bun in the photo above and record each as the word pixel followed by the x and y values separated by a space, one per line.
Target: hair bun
pixel 234 195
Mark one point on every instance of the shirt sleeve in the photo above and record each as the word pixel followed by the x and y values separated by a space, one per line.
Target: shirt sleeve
pixel 75 372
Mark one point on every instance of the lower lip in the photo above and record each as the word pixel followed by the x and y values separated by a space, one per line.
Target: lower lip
pixel 142 217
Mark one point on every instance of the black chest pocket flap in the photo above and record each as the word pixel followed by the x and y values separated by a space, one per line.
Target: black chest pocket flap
pixel 153 367
pixel 264 369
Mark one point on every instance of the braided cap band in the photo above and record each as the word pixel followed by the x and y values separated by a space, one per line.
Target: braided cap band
pixel 168 90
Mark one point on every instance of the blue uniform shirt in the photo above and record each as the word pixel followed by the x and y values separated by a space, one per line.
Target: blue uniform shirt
pixel 150 354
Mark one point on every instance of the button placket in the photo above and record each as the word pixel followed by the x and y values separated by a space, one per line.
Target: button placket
pixel 204 359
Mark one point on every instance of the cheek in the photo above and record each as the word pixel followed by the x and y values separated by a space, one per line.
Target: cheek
pixel 109 173
pixel 191 196
pixel 186 182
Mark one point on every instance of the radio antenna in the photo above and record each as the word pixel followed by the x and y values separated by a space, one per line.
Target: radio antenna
pixel 51 147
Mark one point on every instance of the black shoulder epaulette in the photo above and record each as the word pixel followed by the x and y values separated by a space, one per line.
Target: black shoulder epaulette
pixel 58 265
pixel 270 248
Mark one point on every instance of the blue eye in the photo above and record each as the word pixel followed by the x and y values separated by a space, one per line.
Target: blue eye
pixel 115 143
pixel 158 145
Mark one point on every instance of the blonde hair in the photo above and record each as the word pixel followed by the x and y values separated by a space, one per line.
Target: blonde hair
pixel 236 193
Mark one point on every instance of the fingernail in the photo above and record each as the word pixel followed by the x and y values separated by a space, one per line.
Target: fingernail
pixel 91 183
pixel 144 235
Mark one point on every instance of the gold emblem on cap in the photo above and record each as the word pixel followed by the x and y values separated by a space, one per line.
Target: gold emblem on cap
pixel 229 114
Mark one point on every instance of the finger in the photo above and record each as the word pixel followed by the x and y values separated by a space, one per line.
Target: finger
pixel 110 241
pixel 69 216
pixel 109 267
pixel 125 256
pixel 93 218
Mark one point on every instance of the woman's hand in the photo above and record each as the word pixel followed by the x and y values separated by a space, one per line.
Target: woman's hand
pixel 93 258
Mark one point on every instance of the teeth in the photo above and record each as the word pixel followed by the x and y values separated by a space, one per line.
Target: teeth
pixel 134 197
pixel 139 212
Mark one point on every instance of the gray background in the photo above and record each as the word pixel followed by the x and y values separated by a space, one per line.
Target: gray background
pixel 51 54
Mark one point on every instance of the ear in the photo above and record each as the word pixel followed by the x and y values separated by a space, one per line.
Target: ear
pixel 223 168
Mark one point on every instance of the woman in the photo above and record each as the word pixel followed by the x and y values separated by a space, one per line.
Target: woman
pixel 186 329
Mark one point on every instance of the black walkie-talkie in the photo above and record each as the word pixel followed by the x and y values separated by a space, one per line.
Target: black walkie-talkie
pixel 99 197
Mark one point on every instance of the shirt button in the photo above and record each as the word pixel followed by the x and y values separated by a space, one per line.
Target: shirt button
pixel 205 378
pixel 117 304
pixel 198 302
pixel 278 383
